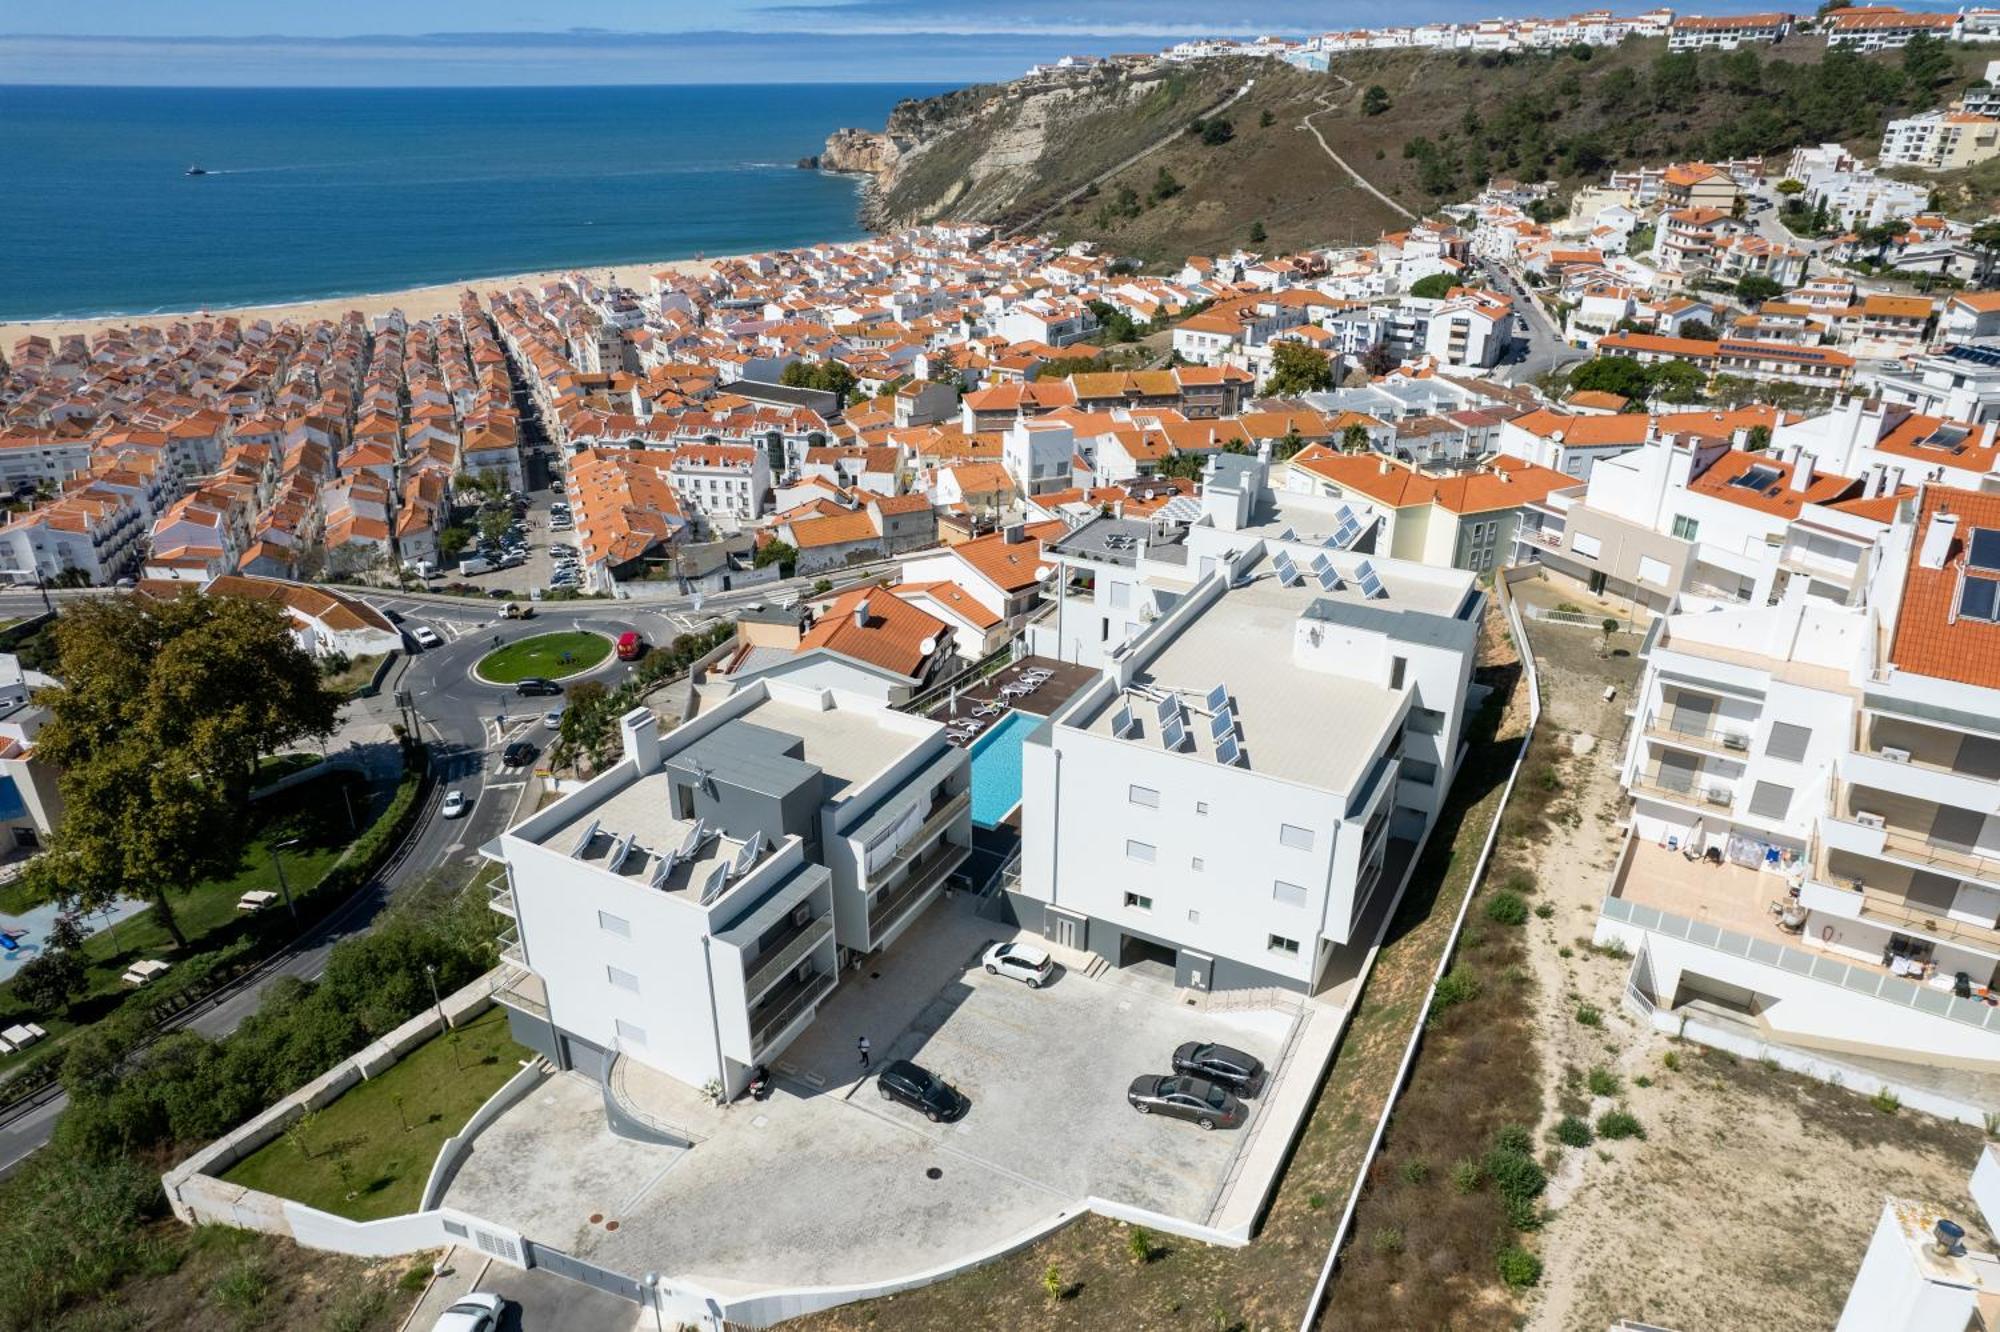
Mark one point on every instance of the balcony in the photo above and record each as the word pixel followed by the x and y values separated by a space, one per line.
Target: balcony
pixel 785 952
pixel 1689 787
pixel 924 874
pixel 502 899
pixel 785 1006
pixel 941 815
pixel 1914 849
pixel 1715 739
pixel 524 992
pixel 511 948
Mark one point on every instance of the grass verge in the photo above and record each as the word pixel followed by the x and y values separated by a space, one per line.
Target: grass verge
pixel 367 1154
pixel 552 656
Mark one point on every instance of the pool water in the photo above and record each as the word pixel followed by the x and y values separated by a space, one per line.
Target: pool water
pixel 996 768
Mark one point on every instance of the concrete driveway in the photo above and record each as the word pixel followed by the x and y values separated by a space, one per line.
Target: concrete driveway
pixel 537 1301
pixel 826 1183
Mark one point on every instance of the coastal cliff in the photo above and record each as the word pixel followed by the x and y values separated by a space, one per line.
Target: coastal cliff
pixel 858 150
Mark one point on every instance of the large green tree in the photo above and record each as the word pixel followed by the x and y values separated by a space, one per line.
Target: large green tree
pixel 1297 368
pixel 166 708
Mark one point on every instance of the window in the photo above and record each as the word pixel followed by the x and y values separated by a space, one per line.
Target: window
pixel 1685 527
pixel 1586 545
pixel 1196 864
pixel 1138 901
pixel 1139 851
pixel 624 980
pixel 1143 795
pixel 1398 667
pixel 1295 837
pixel 1420 771
pixel 1201 807
pixel 1121 594
pixel 1657 572
pixel 1288 894
pixel 628 1032
pixel 617 925
pixel 1278 943
pixel 1788 742
pixel 1425 721
pixel 1194 917
pixel 1770 800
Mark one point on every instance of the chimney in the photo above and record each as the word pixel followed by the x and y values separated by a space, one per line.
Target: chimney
pixel 861 613
pixel 1802 470
pixel 1937 540
pixel 1383 466
pixel 641 732
pixel 1986 434
pixel 1014 534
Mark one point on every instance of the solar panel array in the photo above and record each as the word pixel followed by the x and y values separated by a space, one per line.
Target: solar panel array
pixel 1217 698
pixel 1222 725
pixel 1175 734
pixel 1984 552
pixel 1348 532
pixel 1229 752
pixel 1169 709
pixel 1371 582
pixel 1124 723
pixel 1288 573
pixel 1329 577
pixel 1979 599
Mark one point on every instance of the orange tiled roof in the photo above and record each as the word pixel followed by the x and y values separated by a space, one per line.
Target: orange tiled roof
pixel 1931 638
pixel 892 635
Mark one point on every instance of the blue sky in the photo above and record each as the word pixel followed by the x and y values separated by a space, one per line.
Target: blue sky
pixel 443 42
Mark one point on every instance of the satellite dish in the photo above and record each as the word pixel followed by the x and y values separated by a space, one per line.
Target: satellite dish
pixel 928 646
pixel 1046 572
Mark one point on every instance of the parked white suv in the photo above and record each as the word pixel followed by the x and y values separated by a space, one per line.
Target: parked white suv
pixel 1024 962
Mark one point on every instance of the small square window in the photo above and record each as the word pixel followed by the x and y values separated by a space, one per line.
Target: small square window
pixel 1143 795
pixel 624 980
pixel 617 925
pixel 1142 851
pixel 628 1032
pixel 1138 901
pixel 1278 943
pixel 1195 863
pixel 1194 917
pixel 1295 837
pixel 1288 894
pixel 1201 807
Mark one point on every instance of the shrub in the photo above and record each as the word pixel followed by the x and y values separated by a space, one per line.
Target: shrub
pixel 1614 1125
pixel 1315 1201
pixel 1574 1132
pixel 1519 1268
pixel 1520 881
pixel 1672 1060
pixel 1886 1101
pixel 416 1278
pixel 1517 1177
pixel 356 1310
pixel 1602 1082
pixel 1388 1239
pixel 1545 910
pixel 1414 1171
pixel 1505 908
pixel 1455 987
pixel 1466 1176
pixel 1589 1016
pixel 1513 1138
pixel 244 1285
pixel 1140 1245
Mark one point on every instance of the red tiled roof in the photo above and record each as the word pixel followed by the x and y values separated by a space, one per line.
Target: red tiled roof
pixel 1931 638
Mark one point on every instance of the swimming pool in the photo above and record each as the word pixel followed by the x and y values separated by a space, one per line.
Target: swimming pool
pixel 996 768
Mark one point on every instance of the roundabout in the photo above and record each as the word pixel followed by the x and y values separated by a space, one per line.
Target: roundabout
pixel 554 655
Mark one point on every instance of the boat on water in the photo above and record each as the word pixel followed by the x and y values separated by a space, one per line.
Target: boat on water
pixel 197 171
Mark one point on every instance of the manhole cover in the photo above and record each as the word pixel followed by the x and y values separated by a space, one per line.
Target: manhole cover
pixel 932 1173
pixel 596 1217
pixel 874 975
pixel 611 1225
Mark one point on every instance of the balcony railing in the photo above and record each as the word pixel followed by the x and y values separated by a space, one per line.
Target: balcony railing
pixel 502 898
pixel 786 1007
pixel 924 875
pixel 940 816
pixel 784 953
pixel 1696 789
pixel 525 991
pixel 1721 739
pixel 511 947
pixel 1930 854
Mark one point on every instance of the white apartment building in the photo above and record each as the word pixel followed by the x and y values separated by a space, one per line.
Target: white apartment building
pixel 1962 383
pixel 1815 847
pixel 1474 329
pixel 1940 140
pixel 1861 199
pixel 722 486
pixel 1191 811
pixel 1919 1274
pixel 1038 455
pixel 1726 33
pixel 692 907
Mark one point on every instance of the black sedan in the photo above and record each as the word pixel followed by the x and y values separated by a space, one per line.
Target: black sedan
pixel 519 754
pixel 921 1090
pixel 536 687
pixel 1184 1097
pixel 1225 1064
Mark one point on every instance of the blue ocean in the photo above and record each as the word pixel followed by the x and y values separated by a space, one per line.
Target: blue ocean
pixel 333 191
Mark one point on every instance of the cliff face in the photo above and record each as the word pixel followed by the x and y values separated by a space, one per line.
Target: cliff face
pixel 998 152
pixel 859 150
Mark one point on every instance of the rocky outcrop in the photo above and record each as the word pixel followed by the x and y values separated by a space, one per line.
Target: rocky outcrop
pixel 865 152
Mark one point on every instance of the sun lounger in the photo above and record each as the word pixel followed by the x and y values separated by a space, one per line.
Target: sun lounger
pixel 988 710
pixel 139 973
pixel 256 900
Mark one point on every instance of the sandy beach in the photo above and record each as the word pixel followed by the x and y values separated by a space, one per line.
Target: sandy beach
pixel 415 302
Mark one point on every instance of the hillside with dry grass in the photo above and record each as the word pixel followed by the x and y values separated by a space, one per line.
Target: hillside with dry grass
pixel 1441 125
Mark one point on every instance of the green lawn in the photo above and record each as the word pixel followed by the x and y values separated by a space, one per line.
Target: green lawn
pixel 314 813
pixel 368 1154
pixel 360 671
pixel 550 655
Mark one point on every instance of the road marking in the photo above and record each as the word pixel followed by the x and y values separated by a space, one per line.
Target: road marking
pixel 506 786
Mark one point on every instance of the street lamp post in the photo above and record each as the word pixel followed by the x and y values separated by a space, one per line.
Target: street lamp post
pixel 278 863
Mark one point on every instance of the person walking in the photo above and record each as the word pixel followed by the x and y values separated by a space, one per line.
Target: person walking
pixel 862 1046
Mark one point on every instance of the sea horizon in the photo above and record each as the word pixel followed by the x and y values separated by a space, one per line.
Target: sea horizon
pixel 327 194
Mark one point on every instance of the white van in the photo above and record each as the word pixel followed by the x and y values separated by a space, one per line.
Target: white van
pixel 473 564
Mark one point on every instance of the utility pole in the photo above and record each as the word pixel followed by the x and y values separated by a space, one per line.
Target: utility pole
pixel 278 863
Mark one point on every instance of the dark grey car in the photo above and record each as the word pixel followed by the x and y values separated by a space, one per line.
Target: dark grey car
pixel 920 1089
pixel 1183 1097
pixel 1239 1072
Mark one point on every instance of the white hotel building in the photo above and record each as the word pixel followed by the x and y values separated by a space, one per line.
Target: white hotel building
pixel 692 907
pixel 1814 855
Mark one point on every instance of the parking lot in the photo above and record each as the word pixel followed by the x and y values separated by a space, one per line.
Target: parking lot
pixel 755 1202
pixel 539 536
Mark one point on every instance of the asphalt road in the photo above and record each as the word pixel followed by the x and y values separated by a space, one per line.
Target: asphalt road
pixel 1545 349
pixel 461 718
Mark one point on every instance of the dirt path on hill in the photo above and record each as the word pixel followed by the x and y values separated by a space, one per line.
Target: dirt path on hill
pixel 1327 104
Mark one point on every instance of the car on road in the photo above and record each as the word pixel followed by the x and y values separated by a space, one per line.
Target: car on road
pixel 1206 1103
pixel 630 646
pixel 553 719
pixel 473 1312
pixel 519 754
pixel 920 1089
pixel 537 687
pixel 455 804
pixel 1224 1064
pixel 426 637
pixel 1024 962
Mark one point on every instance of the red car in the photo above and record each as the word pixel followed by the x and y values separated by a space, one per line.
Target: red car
pixel 630 645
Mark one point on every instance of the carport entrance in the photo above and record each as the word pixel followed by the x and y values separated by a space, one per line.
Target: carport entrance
pixel 1147 958
pixel 590 1274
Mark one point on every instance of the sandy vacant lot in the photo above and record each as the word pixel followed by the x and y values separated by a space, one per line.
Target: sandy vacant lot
pixel 1750 1200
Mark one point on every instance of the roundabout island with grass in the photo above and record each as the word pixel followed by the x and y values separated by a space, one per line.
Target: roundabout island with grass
pixel 551 656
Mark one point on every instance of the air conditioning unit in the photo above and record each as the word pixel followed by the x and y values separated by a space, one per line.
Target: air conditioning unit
pixel 1718 795
pixel 1868 820
pixel 1894 755
pixel 1735 740
pixel 802 914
